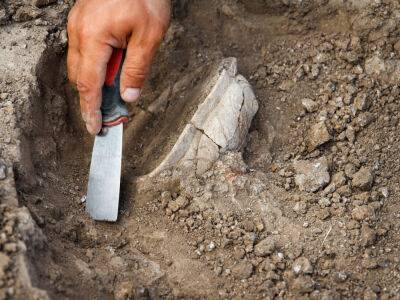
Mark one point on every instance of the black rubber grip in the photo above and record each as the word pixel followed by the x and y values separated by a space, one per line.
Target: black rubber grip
pixel 113 108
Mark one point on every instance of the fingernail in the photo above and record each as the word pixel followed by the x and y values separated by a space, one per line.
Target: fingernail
pixel 131 94
pixel 92 122
pixel 93 129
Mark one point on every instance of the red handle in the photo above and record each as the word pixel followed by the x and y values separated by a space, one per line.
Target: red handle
pixel 113 66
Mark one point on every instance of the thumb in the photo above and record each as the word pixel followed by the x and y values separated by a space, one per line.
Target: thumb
pixel 136 67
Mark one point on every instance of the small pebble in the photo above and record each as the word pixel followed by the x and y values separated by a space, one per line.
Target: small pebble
pixel 3 172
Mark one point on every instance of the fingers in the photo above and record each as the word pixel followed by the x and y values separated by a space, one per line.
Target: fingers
pixel 90 78
pixel 73 47
pixel 139 55
pixel 72 63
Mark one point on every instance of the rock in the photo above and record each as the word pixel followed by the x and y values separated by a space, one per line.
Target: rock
pixel 243 270
pixel 248 241
pixel 302 265
pixel 211 246
pixel 4 263
pixel 368 236
pixel 339 179
pixel 341 276
pixel 309 105
pixel 324 202
pixel 180 202
pixel 364 119
pixel 117 263
pixel 300 207
pixel 63 38
pixel 165 198
pixel 248 225
pixel 83 199
pixel 370 295
pixel 317 136
pixel 124 290
pixel 349 170
pixel 361 102
pixel 42 3
pixel 311 175
pixel 265 247
pixel 10 247
pixel 286 85
pixel 315 71
pixel 4 96
pixel 26 13
pixel 83 268
pixel 220 124
pixel 3 19
pixel 362 212
pixel 397 47
pixel 363 179
pixel 350 134
pixel 239 253
pixel 344 191
pixel 303 284
pixel 385 192
pixel 375 66
pixel 3 172
pixel 322 214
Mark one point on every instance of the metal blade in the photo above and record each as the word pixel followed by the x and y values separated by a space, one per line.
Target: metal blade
pixel 105 176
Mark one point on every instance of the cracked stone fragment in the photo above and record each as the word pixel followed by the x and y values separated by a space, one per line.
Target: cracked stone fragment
pixel 220 123
pixel 363 179
pixel 207 154
pixel 318 135
pixel 311 175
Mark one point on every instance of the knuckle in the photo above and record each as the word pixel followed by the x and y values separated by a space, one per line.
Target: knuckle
pixel 85 34
pixel 157 34
pixel 83 87
pixel 134 73
pixel 71 28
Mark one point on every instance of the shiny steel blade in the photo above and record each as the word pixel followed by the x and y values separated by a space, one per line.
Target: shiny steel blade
pixel 105 176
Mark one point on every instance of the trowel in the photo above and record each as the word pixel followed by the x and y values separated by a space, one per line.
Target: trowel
pixel 105 169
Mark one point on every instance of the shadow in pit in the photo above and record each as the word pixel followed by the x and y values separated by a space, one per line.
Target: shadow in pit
pixel 51 180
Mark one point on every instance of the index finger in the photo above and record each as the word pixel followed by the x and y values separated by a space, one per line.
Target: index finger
pixel 90 79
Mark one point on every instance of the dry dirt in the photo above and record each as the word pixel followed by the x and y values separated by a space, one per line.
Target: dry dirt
pixel 309 210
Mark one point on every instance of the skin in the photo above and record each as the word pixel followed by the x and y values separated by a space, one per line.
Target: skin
pixel 95 27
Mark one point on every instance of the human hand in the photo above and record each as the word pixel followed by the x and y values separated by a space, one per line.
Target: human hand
pixel 95 27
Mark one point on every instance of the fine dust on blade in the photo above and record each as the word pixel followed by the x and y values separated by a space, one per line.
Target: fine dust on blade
pixel 105 175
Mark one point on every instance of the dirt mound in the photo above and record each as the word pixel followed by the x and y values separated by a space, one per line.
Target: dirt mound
pixel 308 210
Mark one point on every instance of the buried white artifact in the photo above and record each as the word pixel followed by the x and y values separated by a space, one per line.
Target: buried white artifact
pixel 220 123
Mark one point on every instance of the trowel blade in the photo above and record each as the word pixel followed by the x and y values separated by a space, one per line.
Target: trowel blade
pixel 105 175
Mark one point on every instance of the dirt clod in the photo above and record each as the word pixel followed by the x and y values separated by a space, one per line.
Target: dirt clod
pixel 242 270
pixel 265 247
pixel 363 179
pixel 311 175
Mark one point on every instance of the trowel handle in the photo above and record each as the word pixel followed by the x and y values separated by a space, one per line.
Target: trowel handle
pixel 113 109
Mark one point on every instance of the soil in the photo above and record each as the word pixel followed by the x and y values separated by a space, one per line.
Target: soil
pixel 307 210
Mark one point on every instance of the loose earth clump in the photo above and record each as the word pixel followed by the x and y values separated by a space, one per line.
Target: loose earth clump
pixel 307 209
